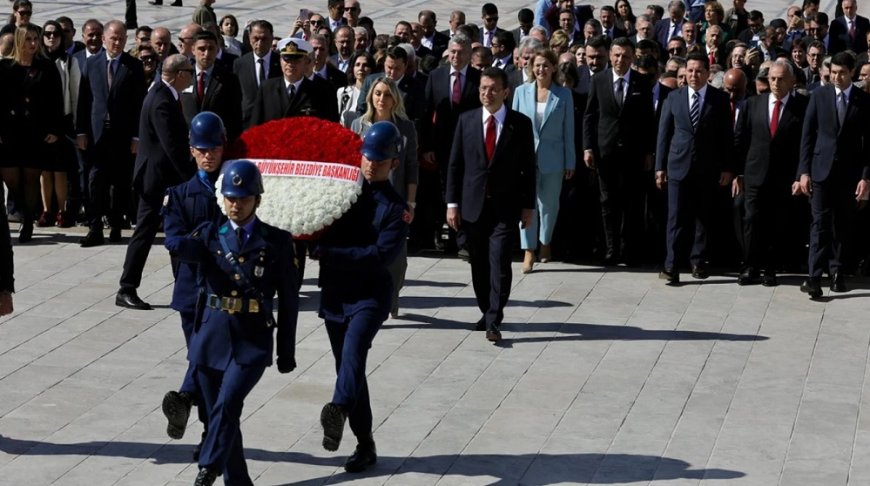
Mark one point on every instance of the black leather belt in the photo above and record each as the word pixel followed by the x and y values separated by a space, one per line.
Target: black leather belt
pixel 233 305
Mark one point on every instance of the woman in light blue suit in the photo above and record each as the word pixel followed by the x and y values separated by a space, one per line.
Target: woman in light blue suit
pixel 551 109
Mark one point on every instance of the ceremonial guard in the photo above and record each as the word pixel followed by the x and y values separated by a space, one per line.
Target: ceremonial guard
pixel 185 207
pixel 243 265
pixel 356 294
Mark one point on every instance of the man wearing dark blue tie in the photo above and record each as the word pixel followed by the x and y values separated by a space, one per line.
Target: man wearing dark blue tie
pixel 692 161
pixel 833 159
pixel 489 191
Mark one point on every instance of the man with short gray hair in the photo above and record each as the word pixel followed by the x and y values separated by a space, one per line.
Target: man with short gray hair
pixel 849 31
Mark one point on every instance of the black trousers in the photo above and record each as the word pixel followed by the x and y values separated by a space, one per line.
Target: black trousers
pixel 130 14
pixel 489 241
pixel 621 206
pixel 766 226
pixel 110 175
pixel 148 222
pixel 833 208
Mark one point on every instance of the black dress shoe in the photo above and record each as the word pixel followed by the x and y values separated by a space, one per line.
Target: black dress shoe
pixel 176 408
pixel 838 283
pixel 115 235
pixel 493 335
pixel 769 279
pixel 129 299
pixel 93 238
pixel 156 2
pixel 176 4
pixel 25 233
pixel 699 272
pixel 206 477
pixel 363 457
pixel 748 277
pixel 332 419
pixel 671 275
pixel 480 325
pixel 812 287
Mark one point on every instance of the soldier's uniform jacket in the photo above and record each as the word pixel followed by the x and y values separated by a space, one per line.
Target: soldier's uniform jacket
pixel 356 250
pixel 185 207
pixel 229 324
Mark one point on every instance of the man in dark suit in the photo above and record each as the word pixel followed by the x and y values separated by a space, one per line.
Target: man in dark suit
pixel 323 69
pixel 395 68
pixel 450 91
pixel 834 157
pixel 691 161
pixel 293 94
pixel 214 88
pixel 526 19
pixel 111 91
pixel 489 191
pixel 432 39
pixel 619 142
pixel 255 67
pixel 344 41
pixel 672 26
pixel 163 160
pixel 767 141
pixel 335 19
pixel 489 15
pixel 607 16
pixel 849 31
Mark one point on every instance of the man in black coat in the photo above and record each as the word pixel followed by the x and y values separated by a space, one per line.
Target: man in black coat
pixel 767 141
pixel 491 188
pixel 321 66
pixel 293 94
pixel 255 67
pixel 111 91
pixel 396 68
pixel 619 141
pixel 433 40
pixel 450 91
pixel 163 161
pixel 849 31
pixel 692 163
pixel 7 280
pixel 834 156
pixel 214 88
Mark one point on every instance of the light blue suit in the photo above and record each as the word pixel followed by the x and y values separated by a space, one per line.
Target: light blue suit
pixel 554 151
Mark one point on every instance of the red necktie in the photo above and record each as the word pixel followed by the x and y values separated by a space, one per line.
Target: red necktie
pixel 852 30
pixel 712 59
pixel 457 88
pixel 200 86
pixel 733 113
pixel 489 138
pixel 774 119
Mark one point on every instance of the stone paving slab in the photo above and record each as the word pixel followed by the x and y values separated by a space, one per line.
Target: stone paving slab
pixel 606 377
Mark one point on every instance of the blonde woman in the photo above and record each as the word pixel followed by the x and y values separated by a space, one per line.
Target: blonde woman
pixel 384 103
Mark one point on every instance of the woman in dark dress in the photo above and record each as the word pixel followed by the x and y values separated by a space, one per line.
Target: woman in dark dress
pixel 31 121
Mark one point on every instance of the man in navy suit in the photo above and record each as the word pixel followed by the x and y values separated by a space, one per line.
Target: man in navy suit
pixel 834 157
pixel 668 28
pixel 692 162
pixel 110 98
pixel 215 88
pixel 490 188
pixel 244 264
pixel 489 15
pixel 445 101
pixel 163 160
pixel 849 31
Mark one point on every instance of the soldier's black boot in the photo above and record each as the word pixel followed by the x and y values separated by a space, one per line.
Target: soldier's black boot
pixel 332 419
pixel 364 457
pixel 206 477
pixel 176 408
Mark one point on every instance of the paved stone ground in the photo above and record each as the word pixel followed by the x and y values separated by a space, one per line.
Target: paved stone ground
pixel 605 377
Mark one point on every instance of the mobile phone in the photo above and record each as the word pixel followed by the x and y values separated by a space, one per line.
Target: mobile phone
pixel 304 13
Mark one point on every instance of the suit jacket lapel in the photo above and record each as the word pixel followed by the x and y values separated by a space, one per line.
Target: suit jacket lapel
pixel 213 87
pixel 786 118
pixel 503 139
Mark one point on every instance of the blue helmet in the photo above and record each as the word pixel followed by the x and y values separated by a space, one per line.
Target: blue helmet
pixel 381 142
pixel 207 131
pixel 241 178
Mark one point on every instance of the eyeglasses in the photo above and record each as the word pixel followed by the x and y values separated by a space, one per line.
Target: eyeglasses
pixel 491 19
pixel 352 9
pixel 51 33
pixel 339 9
pixel 675 50
pixel 24 13
pixel 315 22
pixel 148 59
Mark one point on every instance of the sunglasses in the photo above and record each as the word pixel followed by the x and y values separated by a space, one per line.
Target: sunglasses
pixel 491 19
pixel 148 59
pixel 353 9
pixel 339 9
pixel 315 22
pixel 51 33
pixel 24 13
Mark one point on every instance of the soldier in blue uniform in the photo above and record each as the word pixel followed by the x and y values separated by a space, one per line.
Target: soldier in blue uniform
pixel 185 207
pixel 356 296
pixel 243 265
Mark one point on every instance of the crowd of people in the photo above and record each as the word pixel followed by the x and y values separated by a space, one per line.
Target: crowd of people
pixel 615 173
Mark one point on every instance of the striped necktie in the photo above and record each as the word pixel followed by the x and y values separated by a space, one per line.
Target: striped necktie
pixel 695 110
